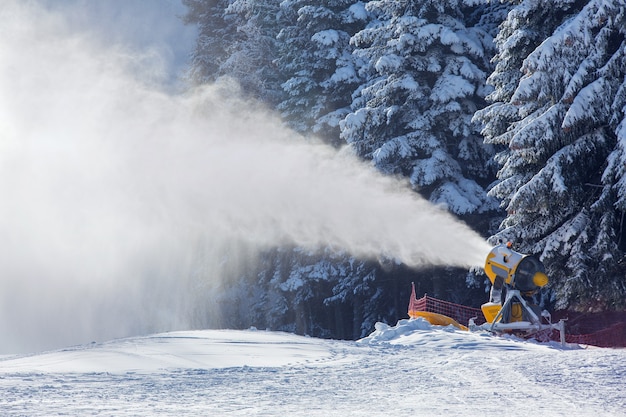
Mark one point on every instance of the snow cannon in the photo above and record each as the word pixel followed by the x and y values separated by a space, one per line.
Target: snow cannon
pixel 515 278
pixel 525 273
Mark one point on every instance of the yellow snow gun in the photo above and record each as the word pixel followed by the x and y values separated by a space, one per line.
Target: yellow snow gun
pixel 515 278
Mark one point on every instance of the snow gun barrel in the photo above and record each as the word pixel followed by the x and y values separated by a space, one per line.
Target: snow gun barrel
pixel 525 273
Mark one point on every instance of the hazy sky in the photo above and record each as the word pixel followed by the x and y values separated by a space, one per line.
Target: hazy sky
pixel 143 25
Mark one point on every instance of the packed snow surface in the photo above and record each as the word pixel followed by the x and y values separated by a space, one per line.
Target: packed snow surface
pixel 410 369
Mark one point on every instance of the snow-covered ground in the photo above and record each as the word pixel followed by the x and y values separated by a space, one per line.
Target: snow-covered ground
pixel 411 369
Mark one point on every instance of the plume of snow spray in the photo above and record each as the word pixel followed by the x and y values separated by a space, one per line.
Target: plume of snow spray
pixel 108 185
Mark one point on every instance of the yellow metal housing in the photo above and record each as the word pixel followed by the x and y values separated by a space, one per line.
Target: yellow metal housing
pixel 436 319
pixel 511 270
pixel 502 262
pixel 523 272
pixel 540 279
pixel 490 311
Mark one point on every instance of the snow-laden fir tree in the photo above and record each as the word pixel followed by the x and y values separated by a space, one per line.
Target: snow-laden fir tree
pixel 312 293
pixel 331 293
pixel 252 61
pixel 561 119
pixel 216 35
pixel 316 58
pixel 237 39
pixel 425 64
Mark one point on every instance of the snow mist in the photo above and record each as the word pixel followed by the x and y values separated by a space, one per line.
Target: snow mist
pixel 112 189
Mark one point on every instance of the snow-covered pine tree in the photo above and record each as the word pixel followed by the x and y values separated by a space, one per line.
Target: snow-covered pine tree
pixel 316 58
pixel 312 293
pixel 355 288
pixel 323 78
pixel 560 122
pixel 237 39
pixel 425 66
pixel 216 35
pixel 294 290
pixel 252 60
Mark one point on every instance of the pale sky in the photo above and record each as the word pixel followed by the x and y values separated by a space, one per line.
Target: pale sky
pixel 140 24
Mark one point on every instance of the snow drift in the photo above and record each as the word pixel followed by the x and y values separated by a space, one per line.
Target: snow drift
pixel 411 368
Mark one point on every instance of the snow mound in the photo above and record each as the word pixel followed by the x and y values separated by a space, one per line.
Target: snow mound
pixel 416 332
pixel 386 333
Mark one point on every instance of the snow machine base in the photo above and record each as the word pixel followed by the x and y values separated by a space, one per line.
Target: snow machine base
pixel 526 328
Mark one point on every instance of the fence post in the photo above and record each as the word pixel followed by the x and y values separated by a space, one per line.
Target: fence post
pixel 562 331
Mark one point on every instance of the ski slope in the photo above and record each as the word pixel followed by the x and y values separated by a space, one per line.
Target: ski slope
pixel 410 369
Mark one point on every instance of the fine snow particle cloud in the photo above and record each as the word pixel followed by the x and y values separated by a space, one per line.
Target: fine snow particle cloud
pixel 114 189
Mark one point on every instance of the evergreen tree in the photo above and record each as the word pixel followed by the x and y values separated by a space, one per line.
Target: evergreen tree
pixel 560 119
pixel 237 39
pixel 217 32
pixel 319 294
pixel 425 66
pixel 316 56
pixel 252 59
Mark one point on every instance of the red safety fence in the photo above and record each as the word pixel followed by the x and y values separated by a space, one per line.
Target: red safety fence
pixel 604 329
pixel 598 329
pixel 458 312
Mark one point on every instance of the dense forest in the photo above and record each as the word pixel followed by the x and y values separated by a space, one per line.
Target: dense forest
pixel 511 114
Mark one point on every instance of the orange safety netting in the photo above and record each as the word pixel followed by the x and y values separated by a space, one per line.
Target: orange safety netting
pixel 613 336
pixel 607 330
pixel 604 329
pixel 458 312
